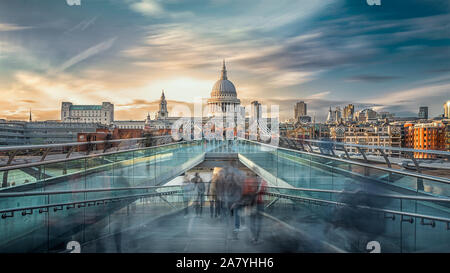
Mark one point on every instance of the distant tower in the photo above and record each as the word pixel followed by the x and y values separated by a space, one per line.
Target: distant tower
pixel 423 112
pixel 147 122
pixel 337 114
pixel 349 111
pixel 447 109
pixel 256 110
pixel 300 110
pixel 162 113
pixel 30 120
pixel 331 115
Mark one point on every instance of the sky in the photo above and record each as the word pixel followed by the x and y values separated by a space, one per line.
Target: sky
pixel 393 57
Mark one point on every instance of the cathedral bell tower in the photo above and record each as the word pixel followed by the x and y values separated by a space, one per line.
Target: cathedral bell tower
pixel 162 113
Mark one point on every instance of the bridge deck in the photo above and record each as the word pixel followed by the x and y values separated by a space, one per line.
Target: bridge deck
pixel 192 234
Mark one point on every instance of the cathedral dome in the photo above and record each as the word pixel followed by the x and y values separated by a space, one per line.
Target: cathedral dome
pixel 223 87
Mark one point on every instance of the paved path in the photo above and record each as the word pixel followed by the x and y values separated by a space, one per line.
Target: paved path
pixel 178 234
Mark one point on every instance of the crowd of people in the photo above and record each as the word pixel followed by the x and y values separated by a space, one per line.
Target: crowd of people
pixel 230 192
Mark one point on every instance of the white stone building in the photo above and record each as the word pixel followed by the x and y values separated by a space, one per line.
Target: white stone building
pixel 103 113
pixel 129 124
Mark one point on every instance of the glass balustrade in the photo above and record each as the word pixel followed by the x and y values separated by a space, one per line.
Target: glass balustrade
pixel 305 187
pixel 324 178
pixel 72 183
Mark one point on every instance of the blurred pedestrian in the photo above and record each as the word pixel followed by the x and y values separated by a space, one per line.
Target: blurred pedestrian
pixel 220 184
pixel 188 188
pixel 200 193
pixel 234 180
pixel 214 207
pixel 256 191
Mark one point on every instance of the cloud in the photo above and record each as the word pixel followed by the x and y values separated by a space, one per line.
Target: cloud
pixel 440 70
pixel 84 24
pixel 5 48
pixel 94 50
pixel 370 78
pixel 173 47
pixel 290 78
pixel 412 95
pixel 284 48
pixel 320 95
pixel 147 7
pixel 406 102
pixel 144 107
pixel 55 87
pixel 29 101
pixel 12 27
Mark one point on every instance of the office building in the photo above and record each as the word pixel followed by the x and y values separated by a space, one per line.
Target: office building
pixel 423 112
pixel 349 111
pixel 12 132
pixel 300 110
pixel 425 136
pixel 374 135
pixel 447 109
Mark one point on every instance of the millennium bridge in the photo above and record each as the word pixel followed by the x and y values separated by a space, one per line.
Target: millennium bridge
pixel 122 196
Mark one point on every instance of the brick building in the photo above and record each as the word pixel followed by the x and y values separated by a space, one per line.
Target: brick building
pixel 105 134
pixel 425 136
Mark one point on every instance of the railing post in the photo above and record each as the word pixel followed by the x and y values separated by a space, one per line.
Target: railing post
pixel 310 148
pixel 385 157
pixel 70 151
pixel 302 147
pixel 88 148
pixel 416 164
pixel 65 167
pixel 332 150
pixel 346 153
pixel 45 154
pixel 5 173
pixel 366 170
pixel 38 177
pixel 387 162
pixel 11 157
pixel 420 186
pixel 321 151
pixel 106 146
pixel 5 179
pixel 363 154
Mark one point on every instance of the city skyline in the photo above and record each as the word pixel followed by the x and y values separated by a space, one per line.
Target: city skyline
pixel 330 53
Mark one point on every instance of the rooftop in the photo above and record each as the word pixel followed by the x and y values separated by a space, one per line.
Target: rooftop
pixel 85 107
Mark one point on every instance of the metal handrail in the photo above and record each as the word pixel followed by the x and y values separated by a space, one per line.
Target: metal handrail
pixel 410 214
pixel 394 196
pixel 118 198
pixel 58 145
pixel 375 147
pixel 18 166
pixel 409 197
pixel 23 194
pixel 12 210
pixel 417 175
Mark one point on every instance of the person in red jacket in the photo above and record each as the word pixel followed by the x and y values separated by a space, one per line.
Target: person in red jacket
pixel 252 196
